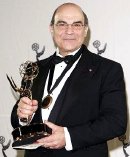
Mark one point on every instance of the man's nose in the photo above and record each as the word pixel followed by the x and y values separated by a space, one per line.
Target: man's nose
pixel 69 28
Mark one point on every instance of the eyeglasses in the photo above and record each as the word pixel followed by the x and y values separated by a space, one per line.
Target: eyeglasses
pixel 74 26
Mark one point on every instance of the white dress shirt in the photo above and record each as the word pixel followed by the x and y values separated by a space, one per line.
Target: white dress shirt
pixel 57 72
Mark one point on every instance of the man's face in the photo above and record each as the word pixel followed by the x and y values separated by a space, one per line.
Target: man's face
pixel 69 30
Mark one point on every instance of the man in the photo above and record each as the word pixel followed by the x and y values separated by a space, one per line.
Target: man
pixel 87 106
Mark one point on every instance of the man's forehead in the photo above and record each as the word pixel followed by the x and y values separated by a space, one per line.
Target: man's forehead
pixel 69 13
pixel 69 17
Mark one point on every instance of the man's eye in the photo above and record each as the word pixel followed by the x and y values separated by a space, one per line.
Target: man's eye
pixel 61 24
pixel 77 25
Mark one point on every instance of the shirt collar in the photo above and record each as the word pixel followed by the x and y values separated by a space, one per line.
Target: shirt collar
pixel 72 53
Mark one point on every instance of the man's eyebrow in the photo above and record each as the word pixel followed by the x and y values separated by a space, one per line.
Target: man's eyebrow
pixel 61 21
pixel 78 22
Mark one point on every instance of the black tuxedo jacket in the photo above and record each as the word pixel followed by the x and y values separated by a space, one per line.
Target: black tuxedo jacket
pixel 92 105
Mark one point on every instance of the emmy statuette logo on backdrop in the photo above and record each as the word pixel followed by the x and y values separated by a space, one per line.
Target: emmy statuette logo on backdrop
pixel 4 147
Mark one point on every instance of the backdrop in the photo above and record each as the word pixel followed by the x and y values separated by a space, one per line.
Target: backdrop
pixel 24 22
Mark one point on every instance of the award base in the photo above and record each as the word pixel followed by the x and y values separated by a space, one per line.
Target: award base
pixel 25 137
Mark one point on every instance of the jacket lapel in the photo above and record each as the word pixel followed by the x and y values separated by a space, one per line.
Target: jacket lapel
pixel 86 66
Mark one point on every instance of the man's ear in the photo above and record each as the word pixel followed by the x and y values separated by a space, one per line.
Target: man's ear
pixel 51 29
pixel 86 31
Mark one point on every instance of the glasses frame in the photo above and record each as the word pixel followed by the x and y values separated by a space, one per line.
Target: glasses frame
pixel 62 25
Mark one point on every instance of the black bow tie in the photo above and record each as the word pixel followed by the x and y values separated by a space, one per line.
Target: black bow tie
pixel 70 59
pixel 67 59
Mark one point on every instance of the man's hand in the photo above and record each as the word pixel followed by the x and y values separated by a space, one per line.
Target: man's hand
pixel 26 107
pixel 56 140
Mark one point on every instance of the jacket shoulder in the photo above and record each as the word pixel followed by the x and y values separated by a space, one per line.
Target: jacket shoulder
pixel 103 61
pixel 45 61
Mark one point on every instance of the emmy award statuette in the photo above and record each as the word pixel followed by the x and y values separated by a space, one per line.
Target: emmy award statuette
pixel 25 136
